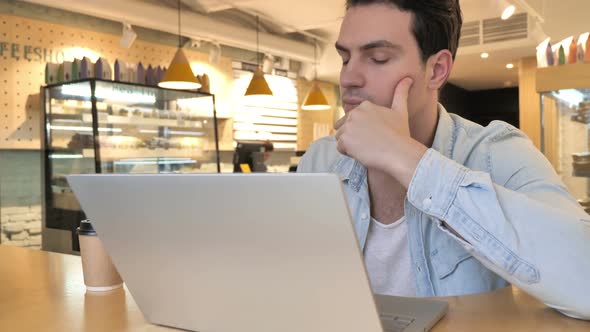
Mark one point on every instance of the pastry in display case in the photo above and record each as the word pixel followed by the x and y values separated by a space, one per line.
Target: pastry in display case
pixel 98 126
pixel 565 123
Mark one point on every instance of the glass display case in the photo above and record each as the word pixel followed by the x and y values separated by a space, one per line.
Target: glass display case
pixel 565 122
pixel 97 126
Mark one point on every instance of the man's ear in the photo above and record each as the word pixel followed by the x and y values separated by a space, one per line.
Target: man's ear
pixel 439 68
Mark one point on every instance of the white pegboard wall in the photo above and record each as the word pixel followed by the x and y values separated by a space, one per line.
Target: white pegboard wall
pixel 22 69
pixel 19 90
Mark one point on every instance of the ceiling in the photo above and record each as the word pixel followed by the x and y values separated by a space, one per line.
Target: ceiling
pixel 306 20
pixel 562 18
pixel 322 19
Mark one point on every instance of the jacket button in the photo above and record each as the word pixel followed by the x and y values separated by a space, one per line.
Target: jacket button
pixel 426 203
pixel 365 216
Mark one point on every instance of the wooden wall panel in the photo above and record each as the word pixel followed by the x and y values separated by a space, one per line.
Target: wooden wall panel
pixel 529 102
pixel 553 138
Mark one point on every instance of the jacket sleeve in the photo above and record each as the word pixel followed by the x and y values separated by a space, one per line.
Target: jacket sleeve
pixel 526 228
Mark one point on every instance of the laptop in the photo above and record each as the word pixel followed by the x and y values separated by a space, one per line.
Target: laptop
pixel 242 252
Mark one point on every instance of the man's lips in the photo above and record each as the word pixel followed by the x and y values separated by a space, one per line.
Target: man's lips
pixel 351 103
pixel 354 101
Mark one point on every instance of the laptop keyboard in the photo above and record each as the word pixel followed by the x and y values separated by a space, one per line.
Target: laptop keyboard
pixel 395 323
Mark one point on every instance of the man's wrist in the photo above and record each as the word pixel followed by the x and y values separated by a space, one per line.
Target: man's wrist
pixel 402 162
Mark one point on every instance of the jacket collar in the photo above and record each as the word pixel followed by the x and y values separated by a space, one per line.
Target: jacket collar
pixel 350 171
pixel 446 135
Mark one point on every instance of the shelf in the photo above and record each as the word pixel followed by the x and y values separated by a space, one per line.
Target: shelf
pixel 114 154
pixel 570 76
pixel 130 120
pixel 141 130
pixel 137 121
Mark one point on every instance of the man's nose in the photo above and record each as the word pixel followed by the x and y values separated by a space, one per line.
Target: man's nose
pixel 352 75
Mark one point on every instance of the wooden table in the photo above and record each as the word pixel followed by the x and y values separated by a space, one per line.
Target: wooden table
pixel 42 291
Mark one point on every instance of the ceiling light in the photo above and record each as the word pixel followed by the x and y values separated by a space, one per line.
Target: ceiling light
pixel 128 36
pixel 507 13
pixel 258 86
pixel 510 66
pixel 485 55
pixel 179 74
pixel 315 100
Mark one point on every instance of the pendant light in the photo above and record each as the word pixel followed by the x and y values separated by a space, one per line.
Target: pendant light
pixel 179 74
pixel 258 86
pixel 316 100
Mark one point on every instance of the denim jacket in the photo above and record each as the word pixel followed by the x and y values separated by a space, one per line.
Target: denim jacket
pixel 517 222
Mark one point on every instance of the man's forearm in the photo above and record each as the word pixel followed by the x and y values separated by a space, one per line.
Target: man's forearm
pixel 542 248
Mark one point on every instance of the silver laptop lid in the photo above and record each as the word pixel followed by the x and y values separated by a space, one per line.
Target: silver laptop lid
pixel 251 253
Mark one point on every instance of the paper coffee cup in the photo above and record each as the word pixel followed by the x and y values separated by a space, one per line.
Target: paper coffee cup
pixel 99 272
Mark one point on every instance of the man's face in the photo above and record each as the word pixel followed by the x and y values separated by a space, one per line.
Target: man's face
pixel 378 50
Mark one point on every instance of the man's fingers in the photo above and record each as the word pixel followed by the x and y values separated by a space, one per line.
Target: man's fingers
pixel 338 134
pixel 400 95
pixel 340 122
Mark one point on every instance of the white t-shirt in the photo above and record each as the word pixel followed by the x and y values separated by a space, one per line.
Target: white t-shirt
pixel 387 258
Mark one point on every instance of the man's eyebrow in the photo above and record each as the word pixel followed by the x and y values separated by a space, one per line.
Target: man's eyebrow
pixel 379 44
pixel 370 46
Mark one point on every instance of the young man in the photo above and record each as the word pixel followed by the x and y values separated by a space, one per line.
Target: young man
pixel 443 206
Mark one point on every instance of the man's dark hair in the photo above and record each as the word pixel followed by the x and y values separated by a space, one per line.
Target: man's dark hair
pixel 436 24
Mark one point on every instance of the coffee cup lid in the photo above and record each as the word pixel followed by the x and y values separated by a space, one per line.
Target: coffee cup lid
pixel 86 228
